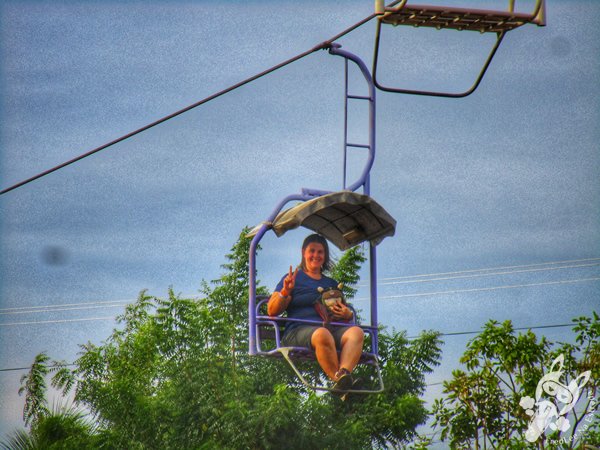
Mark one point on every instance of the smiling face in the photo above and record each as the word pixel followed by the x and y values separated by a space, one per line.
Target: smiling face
pixel 314 257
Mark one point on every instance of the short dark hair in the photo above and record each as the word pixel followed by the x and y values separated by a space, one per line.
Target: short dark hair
pixel 316 238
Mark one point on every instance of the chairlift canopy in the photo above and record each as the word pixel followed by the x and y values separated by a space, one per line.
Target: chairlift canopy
pixel 344 218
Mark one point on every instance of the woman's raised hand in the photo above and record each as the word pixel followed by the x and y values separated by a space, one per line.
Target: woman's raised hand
pixel 289 282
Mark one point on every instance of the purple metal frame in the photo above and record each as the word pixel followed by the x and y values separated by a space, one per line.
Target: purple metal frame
pixel 255 319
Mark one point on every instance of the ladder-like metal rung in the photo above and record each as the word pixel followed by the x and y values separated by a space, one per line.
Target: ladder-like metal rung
pixel 360 97
pixel 357 145
pixel 484 21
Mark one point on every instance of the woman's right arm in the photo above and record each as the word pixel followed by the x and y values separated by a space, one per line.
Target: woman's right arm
pixel 279 301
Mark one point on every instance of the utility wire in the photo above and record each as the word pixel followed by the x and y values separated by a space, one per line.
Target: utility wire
pixel 487 274
pixel 111 303
pixel 429 384
pixel 121 303
pixel 56 321
pixel 11 369
pixel 54 309
pixel 409 277
pixel 17 308
pixel 114 304
pixel 70 306
pixel 493 288
pixel 321 46
pixel 538 327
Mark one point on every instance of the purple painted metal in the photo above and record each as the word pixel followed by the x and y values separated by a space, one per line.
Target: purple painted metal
pixel 255 318
pixel 363 182
pixel 373 284
pixel 365 179
pixel 474 86
pixel 306 195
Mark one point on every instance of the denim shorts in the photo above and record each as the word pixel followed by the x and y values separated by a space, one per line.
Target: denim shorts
pixel 301 335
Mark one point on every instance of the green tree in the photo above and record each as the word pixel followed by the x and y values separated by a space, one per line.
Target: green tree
pixel 484 404
pixel 346 270
pixel 58 428
pixel 33 384
pixel 176 374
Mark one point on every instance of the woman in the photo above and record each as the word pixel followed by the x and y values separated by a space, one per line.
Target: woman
pixel 296 293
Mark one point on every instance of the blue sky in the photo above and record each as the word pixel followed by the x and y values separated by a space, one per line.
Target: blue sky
pixel 506 177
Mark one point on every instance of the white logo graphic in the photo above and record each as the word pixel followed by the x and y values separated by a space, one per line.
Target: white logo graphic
pixel 546 413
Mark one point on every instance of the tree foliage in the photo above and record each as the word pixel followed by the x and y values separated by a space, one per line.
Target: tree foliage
pixel 56 428
pixel 484 404
pixel 176 374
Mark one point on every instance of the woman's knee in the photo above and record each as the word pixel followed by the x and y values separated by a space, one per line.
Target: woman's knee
pixel 322 337
pixel 354 334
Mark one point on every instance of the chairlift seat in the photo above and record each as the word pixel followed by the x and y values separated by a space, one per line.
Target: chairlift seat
pixel 271 328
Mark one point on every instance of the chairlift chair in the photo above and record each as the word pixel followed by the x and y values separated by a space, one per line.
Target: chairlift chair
pixel 347 218
pixel 453 18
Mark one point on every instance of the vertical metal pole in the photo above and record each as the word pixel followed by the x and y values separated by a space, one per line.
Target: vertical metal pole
pixel 252 293
pixel 252 338
pixel 373 276
pixel 336 50
pixel 345 119
pixel 373 266
pixel 372 248
pixel 365 179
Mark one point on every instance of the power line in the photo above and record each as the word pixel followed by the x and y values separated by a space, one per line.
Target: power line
pixel 538 327
pixel 48 310
pixel 493 288
pixel 438 274
pixel 388 297
pixel 488 274
pixel 429 384
pixel 72 306
pixel 56 321
pixel 16 308
pixel 110 303
pixel 11 369
pixel 323 45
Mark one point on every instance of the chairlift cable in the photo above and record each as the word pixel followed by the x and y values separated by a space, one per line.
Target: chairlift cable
pixel 323 45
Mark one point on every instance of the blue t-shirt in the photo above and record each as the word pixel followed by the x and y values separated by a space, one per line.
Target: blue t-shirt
pixel 304 296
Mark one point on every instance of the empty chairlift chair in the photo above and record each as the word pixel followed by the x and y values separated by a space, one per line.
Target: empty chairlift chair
pixel 453 18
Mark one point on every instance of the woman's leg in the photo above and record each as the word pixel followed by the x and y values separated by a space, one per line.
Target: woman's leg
pixel 352 345
pixel 324 345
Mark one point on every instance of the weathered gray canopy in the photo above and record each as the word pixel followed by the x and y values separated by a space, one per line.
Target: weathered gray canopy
pixel 343 218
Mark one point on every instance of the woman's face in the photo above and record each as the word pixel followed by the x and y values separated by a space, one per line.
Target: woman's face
pixel 314 256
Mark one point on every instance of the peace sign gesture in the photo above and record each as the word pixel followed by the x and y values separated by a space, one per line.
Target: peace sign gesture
pixel 289 282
